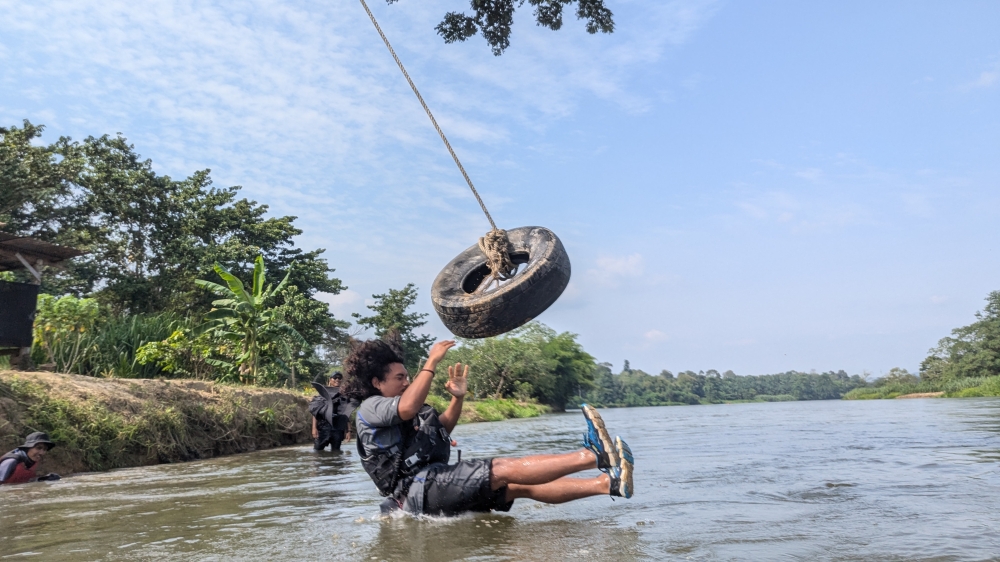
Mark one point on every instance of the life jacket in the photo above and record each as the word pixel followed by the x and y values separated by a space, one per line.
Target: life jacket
pixel 424 441
pixel 331 406
pixel 24 469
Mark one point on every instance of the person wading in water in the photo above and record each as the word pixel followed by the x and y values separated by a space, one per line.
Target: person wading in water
pixel 330 426
pixel 21 464
pixel 405 444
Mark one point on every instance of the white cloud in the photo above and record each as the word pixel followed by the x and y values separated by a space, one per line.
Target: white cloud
pixel 302 105
pixel 917 204
pixel 611 269
pixel 986 79
pixel 343 303
pixel 810 174
pixel 655 336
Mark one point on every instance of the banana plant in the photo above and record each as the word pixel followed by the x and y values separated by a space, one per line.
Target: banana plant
pixel 243 318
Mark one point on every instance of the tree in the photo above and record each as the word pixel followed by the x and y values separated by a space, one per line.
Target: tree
pixel 391 316
pixel 571 371
pixel 36 182
pixel 149 237
pixel 897 375
pixel 494 18
pixel 497 365
pixel 245 319
pixel 531 362
pixel 972 351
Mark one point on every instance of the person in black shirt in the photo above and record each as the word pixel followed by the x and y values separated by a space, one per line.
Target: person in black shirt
pixel 330 426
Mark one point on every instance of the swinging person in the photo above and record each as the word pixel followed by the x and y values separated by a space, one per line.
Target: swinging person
pixel 405 444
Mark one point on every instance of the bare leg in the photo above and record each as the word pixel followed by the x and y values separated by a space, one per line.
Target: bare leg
pixel 561 490
pixel 539 469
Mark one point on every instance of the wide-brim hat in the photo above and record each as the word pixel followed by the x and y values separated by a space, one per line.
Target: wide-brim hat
pixel 37 438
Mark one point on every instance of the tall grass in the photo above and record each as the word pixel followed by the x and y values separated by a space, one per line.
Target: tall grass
pixel 113 345
pixel 100 346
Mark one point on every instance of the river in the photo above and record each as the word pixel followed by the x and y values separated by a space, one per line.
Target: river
pixel 832 480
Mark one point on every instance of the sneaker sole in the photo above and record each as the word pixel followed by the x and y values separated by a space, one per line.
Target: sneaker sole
pixel 626 465
pixel 602 433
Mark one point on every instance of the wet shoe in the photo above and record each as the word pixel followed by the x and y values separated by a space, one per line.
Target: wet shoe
pixel 621 475
pixel 598 440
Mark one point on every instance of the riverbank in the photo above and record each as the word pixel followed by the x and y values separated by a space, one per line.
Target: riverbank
pixel 492 410
pixel 106 423
pixel 101 424
pixel 971 387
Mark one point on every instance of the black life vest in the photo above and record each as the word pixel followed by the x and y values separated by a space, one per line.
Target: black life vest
pixel 331 406
pixel 424 441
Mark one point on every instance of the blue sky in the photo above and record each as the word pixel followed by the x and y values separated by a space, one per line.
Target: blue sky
pixel 740 185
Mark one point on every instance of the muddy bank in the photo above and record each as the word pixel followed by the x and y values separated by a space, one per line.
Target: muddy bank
pixel 100 424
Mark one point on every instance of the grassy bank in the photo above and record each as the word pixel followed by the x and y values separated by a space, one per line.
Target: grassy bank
pixel 105 423
pixel 491 410
pixel 956 388
pixel 100 424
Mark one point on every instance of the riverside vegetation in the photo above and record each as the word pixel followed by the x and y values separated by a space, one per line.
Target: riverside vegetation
pixel 963 365
pixel 101 424
pixel 174 287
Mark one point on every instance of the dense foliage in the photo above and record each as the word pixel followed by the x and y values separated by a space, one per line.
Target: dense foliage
pixel 971 351
pixel 637 388
pixel 149 237
pixel 530 363
pixel 536 363
pixel 494 18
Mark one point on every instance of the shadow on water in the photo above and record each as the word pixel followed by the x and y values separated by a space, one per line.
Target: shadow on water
pixel 501 537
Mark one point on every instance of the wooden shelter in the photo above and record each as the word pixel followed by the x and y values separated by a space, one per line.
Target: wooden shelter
pixel 17 300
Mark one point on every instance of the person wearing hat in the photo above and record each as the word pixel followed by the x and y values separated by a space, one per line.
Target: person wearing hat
pixel 330 426
pixel 21 464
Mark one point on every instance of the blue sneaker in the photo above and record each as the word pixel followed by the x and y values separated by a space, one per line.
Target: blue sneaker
pixel 621 475
pixel 598 440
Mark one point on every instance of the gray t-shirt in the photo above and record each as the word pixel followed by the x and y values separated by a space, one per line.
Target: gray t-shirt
pixel 379 423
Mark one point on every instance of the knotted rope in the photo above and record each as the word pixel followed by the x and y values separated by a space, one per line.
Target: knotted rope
pixel 494 244
pixel 497 249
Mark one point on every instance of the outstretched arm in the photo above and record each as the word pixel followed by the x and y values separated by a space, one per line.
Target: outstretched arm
pixel 457 385
pixel 415 395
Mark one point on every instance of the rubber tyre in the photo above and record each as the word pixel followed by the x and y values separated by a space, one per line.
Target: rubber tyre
pixel 535 287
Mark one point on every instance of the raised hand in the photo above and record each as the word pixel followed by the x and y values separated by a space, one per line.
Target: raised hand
pixel 458 380
pixel 438 351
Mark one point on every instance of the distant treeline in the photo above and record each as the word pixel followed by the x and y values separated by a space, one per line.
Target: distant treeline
pixel 634 387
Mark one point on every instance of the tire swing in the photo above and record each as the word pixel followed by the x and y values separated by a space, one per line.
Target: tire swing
pixel 504 281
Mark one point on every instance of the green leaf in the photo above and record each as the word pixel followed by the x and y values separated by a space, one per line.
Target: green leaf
pixel 214 287
pixel 258 277
pixel 235 285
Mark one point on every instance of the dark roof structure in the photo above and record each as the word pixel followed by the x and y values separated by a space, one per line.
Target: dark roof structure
pixel 32 250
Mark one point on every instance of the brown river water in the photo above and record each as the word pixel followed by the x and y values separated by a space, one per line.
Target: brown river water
pixel 833 480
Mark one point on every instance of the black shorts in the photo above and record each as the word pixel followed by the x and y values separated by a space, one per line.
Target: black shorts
pixel 456 488
pixel 330 437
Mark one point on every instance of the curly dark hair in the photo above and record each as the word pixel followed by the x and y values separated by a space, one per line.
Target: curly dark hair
pixel 367 360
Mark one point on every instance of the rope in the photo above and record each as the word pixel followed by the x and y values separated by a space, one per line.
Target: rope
pixel 494 244
pixel 497 249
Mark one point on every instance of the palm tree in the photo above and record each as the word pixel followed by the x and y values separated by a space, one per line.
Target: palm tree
pixel 244 319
